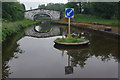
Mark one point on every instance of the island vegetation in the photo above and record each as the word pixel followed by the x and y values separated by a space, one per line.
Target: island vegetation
pixel 70 40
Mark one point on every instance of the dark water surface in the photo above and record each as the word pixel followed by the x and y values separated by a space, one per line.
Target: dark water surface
pixel 30 57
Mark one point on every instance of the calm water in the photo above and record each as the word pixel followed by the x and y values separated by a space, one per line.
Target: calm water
pixel 31 57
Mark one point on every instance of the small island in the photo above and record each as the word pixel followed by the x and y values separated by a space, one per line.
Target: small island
pixel 71 41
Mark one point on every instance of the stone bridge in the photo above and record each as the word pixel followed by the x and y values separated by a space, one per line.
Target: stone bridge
pixel 53 14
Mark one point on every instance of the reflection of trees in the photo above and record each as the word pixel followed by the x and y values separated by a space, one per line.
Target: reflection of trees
pixel 45 27
pixel 105 47
pixel 79 57
pixel 9 48
pixel 102 45
pixel 8 55
pixel 5 71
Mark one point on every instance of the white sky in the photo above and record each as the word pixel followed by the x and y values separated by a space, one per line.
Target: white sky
pixel 34 3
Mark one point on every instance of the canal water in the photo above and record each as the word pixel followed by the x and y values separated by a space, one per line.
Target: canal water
pixel 33 57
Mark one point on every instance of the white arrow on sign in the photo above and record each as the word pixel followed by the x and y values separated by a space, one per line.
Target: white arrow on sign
pixel 68 14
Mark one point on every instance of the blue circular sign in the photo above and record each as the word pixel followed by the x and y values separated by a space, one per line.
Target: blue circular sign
pixel 69 12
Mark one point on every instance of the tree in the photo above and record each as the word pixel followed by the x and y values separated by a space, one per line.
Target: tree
pixel 73 5
pixel 56 6
pixel 42 6
pixel 105 10
pixel 86 7
pixel 102 9
pixel 12 11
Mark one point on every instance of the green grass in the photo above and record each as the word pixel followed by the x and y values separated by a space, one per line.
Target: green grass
pixel 10 28
pixel 91 19
pixel 69 40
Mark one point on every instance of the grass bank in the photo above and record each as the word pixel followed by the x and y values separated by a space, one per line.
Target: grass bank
pixel 93 22
pixel 84 18
pixel 10 28
pixel 92 19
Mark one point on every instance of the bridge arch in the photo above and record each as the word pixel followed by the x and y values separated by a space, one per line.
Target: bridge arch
pixel 30 14
pixel 39 15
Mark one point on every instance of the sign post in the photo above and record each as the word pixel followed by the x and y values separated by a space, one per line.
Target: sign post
pixel 69 28
pixel 69 13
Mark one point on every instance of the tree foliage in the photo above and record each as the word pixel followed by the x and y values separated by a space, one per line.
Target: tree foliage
pixel 12 11
pixel 56 6
pixel 73 5
pixel 105 10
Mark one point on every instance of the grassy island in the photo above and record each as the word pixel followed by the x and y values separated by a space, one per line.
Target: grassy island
pixel 70 40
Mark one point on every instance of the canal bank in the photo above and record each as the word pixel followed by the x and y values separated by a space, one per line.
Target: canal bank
pixel 93 27
pixel 11 28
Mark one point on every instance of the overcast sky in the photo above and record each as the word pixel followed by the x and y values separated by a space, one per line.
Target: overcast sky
pixel 34 3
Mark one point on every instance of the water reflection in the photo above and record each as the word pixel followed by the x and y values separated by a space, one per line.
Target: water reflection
pixel 14 54
pixel 69 69
pixel 79 54
pixel 43 30
pixel 105 47
pixel 18 55
pixel 10 51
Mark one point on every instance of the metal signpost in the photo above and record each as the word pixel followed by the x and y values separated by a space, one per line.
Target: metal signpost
pixel 69 13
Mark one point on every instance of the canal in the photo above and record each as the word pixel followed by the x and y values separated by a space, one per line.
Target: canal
pixel 34 55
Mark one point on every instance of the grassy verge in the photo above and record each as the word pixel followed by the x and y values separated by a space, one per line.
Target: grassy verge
pixel 69 40
pixel 10 28
pixel 91 19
